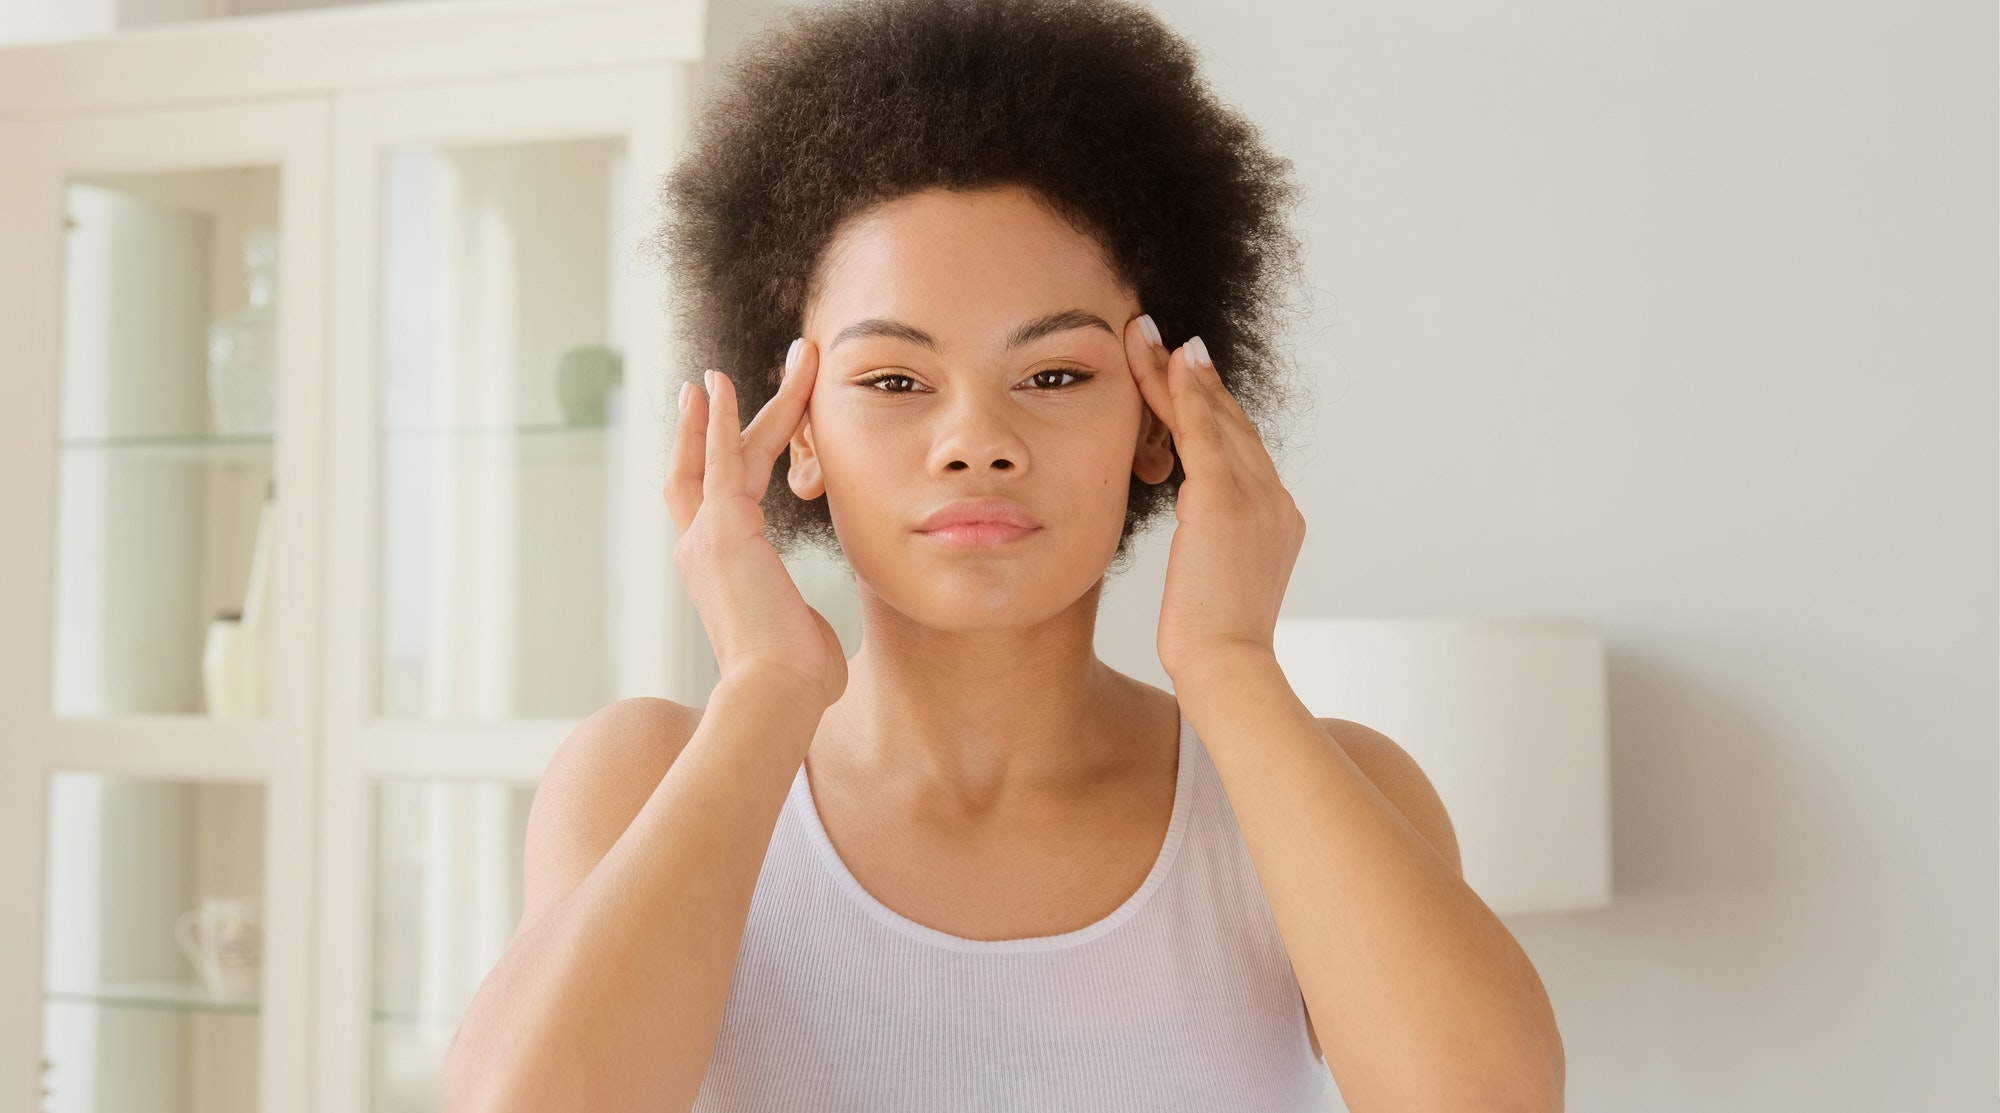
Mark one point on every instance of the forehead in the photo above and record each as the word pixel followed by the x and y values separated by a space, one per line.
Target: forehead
pixel 960 256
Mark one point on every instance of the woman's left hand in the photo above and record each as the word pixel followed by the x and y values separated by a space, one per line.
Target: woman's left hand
pixel 1238 531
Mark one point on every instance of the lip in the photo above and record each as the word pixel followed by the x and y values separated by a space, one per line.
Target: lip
pixel 979 523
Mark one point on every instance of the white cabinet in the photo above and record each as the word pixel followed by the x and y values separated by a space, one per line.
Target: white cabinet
pixel 332 459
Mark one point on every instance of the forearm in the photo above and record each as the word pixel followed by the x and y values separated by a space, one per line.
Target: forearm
pixel 1421 998
pixel 613 999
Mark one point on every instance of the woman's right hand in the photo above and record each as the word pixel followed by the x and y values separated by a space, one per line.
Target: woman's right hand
pixel 755 617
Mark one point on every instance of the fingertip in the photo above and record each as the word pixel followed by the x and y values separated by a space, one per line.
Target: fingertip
pixel 722 389
pixel 1137 349
pixel 1198 352
pixel 1149 330
pixel 693 394
pixel 801 363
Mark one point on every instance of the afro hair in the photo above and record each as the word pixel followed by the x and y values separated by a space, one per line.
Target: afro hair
pixel 1094 105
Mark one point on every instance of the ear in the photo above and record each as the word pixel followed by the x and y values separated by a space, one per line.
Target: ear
pixel 1153 458
pixel 804 475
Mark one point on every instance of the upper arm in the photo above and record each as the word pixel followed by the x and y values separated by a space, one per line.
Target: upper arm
pixel 1396 774
pixel 599 778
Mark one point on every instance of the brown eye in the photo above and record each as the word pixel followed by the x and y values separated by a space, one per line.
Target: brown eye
pixel 889 377
pixel 1076 375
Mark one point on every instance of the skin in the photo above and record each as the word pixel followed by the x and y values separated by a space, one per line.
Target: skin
pixel 978 769
pixel 977 691
pixel 980 742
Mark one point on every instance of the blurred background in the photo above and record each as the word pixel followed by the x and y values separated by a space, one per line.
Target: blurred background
pixel 335 446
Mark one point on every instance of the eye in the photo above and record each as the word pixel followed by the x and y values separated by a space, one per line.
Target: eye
pixel 888 376
pixel 1074 373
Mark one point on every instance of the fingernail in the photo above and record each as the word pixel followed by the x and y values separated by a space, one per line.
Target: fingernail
pixel 1151 330
pixel 708 380
pixel 792 356
pixel 685 387
pixel 1198 352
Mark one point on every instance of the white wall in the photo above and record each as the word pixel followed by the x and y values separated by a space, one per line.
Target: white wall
pixel 1680 317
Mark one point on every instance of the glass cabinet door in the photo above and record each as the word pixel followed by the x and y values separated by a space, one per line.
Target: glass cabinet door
pixel 166 485
pixel 504 274
pixel 502 554
pixel 154 964
pixel 160 287
pixel 447 897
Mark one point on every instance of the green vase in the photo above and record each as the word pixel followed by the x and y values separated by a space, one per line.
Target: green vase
pixel 584 378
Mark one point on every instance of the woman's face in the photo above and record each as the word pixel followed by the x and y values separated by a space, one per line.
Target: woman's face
pixel 971 346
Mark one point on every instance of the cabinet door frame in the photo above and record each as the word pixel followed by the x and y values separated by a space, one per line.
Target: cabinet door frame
pixel 37 158
pixel 646 106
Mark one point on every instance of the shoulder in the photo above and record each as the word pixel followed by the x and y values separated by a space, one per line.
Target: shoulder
pixel 1399 778
pixel 620 742
pixel 600 776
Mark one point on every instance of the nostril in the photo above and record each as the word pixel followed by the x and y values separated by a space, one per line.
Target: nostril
pixel 1002 464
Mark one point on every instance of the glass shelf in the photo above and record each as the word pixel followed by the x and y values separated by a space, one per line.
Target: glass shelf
pixel 446 1022
pixel 252 450
pixel 181 996
pixel 582 432
pixel 437 451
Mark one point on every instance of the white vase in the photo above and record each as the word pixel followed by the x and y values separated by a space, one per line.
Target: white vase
pixel 228 664
pixel 236 658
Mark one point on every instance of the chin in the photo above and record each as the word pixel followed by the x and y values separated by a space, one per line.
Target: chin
pixel 966 599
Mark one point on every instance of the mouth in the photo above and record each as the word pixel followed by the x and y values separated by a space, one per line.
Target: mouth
pixel 978 535
pixel 979 523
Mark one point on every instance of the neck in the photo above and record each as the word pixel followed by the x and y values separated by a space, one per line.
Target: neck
pixel 976 717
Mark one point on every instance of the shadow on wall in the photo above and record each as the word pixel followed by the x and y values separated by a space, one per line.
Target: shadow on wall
pixel 1730 860
pixel 1693 778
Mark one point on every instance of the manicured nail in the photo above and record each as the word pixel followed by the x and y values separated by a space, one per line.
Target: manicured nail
pixel 1151 330
pixel 792 356
pixel 708 380
pixel 685 387
pixel 1198 352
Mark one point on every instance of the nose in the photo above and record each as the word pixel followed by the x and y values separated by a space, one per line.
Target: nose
pixel 977 433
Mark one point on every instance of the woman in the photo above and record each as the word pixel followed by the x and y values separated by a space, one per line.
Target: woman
pixel 940 243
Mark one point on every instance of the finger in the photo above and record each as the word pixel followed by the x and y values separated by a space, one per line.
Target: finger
pixel 722 473
pixel 1148 360
pixel 1232 423
pixel 1221 397
pixel 684 470
pixel 1199 437
pixel 781 417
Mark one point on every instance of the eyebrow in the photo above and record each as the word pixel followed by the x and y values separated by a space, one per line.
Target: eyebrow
pixel 1030 330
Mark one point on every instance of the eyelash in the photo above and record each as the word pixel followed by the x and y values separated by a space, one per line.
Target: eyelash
pixel 1081 376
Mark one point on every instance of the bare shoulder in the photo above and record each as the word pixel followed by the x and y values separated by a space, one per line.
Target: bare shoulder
pixel 599 778
pixel 1398 776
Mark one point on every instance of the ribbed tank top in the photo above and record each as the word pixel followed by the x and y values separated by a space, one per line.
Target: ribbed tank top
pixel 1183 998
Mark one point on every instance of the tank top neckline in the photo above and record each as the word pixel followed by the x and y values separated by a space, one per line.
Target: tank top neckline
pixel 800 799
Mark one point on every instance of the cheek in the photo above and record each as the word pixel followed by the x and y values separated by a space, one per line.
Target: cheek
pixel 1097 466
pixel 860 452
pixel 1112 467
pixel 1107 444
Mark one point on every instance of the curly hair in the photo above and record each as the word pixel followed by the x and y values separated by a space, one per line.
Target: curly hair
pixel 1093 105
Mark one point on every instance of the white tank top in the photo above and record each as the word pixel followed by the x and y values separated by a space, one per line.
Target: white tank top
pixel 1181 999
